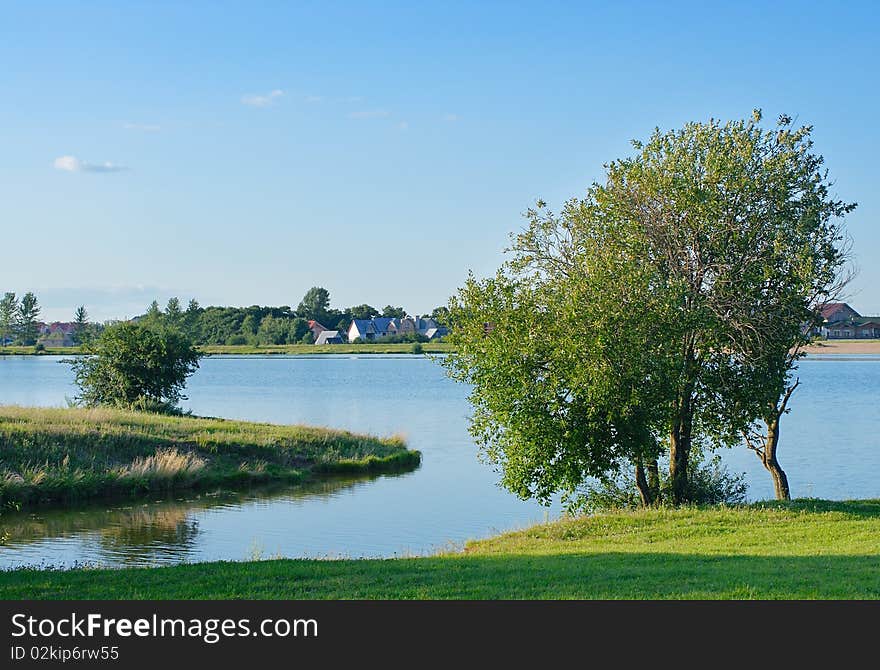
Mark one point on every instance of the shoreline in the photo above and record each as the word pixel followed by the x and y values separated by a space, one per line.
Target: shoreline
pixel 269 350
pixel 837 347
pixel 824 348
pixel 802 549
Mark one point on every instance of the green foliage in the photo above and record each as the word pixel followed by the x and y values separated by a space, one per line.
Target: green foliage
pixel 393 312
pixel 272 331
pixel 441 315
pixel 363 311
pixel 709 484
pixel 658 308
pixel 173 313
pixel 417 348
pixel 26 319
pixel 131 364
pixel 82 328
pixel 315 304
pixel 8 311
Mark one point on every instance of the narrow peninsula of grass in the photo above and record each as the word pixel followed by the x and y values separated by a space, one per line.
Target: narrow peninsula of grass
pixel 799 550
pixel 55 455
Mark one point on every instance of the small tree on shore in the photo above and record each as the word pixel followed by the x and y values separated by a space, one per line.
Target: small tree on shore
pixel 136 366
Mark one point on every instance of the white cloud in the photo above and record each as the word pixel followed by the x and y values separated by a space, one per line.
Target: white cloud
pixel 69 163
pixel 370 114
pixel 143 127
pixel 450 118
pixel 314 98
pixel 74 164
pixel 262 100
pixel 403 125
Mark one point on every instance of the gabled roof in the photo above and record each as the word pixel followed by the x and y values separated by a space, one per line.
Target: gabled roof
pixel 361 325
pixel 383 323
pixel 832 308
pixel 326 335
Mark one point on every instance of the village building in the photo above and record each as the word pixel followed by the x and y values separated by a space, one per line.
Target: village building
pixel 378 327
pixel 328 337
pixel 842 322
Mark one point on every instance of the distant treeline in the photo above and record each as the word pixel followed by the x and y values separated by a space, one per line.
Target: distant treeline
pixel 269 325
pixel 254 325
pixel 20 323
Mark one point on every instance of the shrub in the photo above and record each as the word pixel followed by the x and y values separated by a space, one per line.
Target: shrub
pixel 236 340
pixel 134 365
pixel 708 484
pixel 416 348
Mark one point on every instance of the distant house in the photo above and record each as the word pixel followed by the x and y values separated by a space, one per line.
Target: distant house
pixel 426 326
pixel 328 337
pixel 842 322
pixel 372 329
pixel 381 326
pixel 316 329
pixel 57 334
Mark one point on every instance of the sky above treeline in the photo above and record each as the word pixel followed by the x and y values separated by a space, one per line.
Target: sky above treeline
pixel 239 153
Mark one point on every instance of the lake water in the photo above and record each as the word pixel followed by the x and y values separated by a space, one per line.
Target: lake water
pixel 830 448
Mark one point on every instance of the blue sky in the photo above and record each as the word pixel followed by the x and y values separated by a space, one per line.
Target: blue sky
pixel 240 153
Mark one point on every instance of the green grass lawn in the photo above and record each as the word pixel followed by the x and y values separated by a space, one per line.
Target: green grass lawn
pixel 805 549
pixel 284 349
pixel 55 455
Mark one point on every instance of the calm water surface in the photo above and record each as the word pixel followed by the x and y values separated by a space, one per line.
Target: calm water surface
pixel 830 448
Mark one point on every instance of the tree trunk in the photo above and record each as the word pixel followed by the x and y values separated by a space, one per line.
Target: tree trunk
pixel 654 480
pixel 780 480
pixel 642 485
pixel 680 435
pixel 680 450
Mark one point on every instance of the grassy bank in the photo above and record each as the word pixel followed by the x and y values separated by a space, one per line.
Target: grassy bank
pixel 286 349
pixel 54 455
pixel 805 549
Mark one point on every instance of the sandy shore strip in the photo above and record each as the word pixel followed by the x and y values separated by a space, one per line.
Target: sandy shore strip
pixel 827 347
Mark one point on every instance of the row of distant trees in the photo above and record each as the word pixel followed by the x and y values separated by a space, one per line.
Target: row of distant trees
pixel 20 320
pixel 265 325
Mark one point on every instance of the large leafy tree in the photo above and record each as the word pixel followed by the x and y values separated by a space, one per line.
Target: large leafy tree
pixel 137 366
pixel 736 224
pixel 707 249
pixel 562 392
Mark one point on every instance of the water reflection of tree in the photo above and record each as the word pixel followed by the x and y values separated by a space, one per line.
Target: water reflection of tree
pixel 159 531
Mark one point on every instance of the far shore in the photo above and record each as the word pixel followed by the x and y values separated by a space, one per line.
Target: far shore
pixel 824 348
pixel 828 347
pixel 268 349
